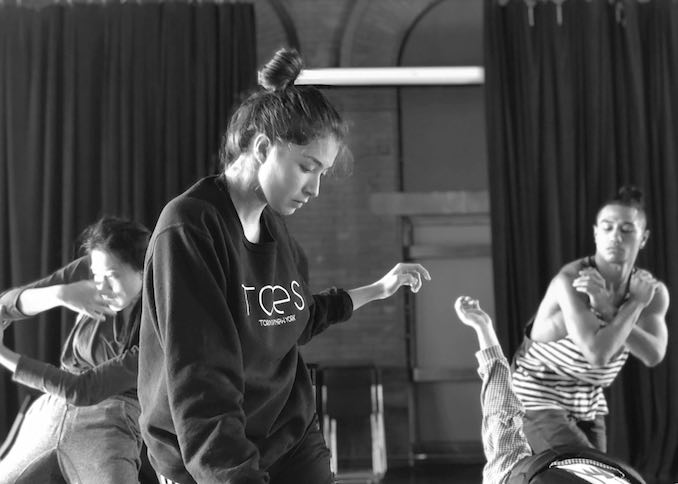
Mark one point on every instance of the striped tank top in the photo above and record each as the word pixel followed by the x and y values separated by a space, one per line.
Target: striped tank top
pixel 556 375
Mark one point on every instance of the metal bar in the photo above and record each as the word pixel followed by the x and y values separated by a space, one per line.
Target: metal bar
pixel 393 76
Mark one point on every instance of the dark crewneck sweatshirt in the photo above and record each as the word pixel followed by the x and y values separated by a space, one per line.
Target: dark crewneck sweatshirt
pixel 223 388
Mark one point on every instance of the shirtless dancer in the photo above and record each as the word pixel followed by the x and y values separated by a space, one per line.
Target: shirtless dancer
pixel 595 312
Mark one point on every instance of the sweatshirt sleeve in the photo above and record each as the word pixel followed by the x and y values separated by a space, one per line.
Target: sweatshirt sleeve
pixel 75 271
pixel 110 378
pixel 327 307
pixel 202 357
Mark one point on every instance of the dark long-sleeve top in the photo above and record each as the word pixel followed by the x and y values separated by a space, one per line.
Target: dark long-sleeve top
pixel 224 391
pixel 99 358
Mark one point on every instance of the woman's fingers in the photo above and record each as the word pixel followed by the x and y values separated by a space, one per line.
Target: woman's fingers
pixel 412 275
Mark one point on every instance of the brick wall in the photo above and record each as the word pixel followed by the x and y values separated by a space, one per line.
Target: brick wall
pixel 348 245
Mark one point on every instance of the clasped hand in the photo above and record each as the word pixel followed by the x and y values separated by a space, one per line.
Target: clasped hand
pixel 592 283
pixel 642 286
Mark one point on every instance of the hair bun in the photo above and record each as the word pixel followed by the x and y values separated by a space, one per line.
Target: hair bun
pixel 281 71
pixel 630 193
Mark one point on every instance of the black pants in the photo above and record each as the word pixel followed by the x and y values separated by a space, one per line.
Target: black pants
pixel 308 462
pixel 546 429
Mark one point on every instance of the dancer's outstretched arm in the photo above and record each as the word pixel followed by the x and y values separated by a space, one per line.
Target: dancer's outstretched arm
pixel 502 429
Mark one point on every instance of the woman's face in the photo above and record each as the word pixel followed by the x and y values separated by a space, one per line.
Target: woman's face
pixel 290 174
pixel 117 281
pixel 620 233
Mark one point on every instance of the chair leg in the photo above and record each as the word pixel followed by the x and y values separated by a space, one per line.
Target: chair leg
pixel 335 449
pixel 334 460
pixel 374 434
pixel 378 431
pixel 326 429
pixel 382 445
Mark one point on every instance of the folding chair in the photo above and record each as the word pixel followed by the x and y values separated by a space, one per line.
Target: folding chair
pixel 353 393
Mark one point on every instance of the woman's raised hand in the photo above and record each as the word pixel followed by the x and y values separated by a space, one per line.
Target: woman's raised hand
pixel 84 297
pixel 470 313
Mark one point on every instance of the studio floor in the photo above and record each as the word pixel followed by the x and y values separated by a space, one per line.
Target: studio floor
pixel 429 473
pixel 436 474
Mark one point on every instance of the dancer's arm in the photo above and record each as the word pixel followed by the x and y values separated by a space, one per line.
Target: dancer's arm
pixel 504 443
pixel 649 337
pixel 597 339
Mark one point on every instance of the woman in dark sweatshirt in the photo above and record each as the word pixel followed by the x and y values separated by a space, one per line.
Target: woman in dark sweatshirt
pixel 224 392
pixel 85 426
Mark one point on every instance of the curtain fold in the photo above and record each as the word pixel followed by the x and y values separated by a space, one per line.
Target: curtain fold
pixel 105 109
pixel 574 110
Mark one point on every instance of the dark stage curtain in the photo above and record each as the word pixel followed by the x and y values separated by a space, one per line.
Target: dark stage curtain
pixel 104 109
pixel 574 110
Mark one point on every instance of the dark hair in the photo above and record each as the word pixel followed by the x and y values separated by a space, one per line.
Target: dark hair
pixel 627 196
pixel 125 239
pixel 281 110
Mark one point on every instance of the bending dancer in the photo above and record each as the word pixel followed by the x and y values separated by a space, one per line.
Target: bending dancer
pixel 595 312
pixel 84 428
pixel 509 457
pixel 225 394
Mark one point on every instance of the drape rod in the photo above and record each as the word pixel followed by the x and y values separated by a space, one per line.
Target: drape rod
pixel 392 76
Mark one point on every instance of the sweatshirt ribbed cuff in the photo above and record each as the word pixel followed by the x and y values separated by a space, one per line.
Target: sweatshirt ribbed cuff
pixel 348 302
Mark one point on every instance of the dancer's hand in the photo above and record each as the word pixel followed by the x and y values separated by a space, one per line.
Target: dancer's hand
pixel 592 283
pixel 84 297
pixel 642 286
pixel 470 313
pixel 403 274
